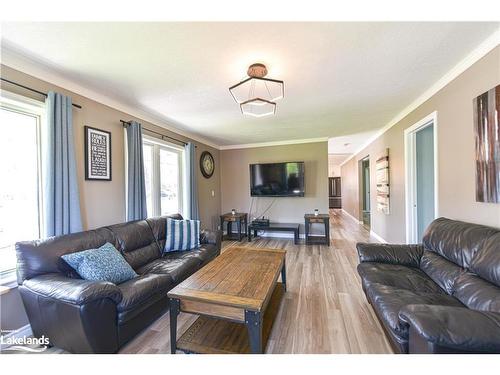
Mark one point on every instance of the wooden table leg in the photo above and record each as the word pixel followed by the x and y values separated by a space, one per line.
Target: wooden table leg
pixel 253 321
pixel 174 312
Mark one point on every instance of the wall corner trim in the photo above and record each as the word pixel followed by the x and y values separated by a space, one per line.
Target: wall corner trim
pixel 275 143
pixel 474 56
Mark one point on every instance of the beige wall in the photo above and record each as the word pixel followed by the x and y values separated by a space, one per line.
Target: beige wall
pixel 103 202
pixel 456 160
pixel 235 180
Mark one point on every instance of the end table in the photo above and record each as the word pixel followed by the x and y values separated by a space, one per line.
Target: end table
pixel 322 219
pixel 241 219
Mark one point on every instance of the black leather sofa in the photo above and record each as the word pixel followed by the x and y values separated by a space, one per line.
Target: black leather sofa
pixel 83 316
pixel 442 296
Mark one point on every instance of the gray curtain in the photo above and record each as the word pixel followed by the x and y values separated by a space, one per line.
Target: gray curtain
pixel 192 186
pixel 60 194
pixel 136 187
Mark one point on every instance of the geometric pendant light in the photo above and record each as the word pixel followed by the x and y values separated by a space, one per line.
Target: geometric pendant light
pixel 257 95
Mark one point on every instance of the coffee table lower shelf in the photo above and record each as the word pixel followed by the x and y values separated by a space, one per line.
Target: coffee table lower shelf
pixel 216 336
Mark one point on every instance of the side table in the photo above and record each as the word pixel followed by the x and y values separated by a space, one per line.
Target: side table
pixel 322 219
pixel 241 220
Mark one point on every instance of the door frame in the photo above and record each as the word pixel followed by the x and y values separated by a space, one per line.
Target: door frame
pixel 410 174
pixel 361 189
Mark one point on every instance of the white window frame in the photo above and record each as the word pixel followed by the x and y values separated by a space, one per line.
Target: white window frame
pixel 34 108
pixel 410 174
pixel 156 178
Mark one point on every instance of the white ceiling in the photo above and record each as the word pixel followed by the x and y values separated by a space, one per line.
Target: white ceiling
pixel 341 79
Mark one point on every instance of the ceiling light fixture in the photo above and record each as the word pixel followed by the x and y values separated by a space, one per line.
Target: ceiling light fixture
pixel 257 95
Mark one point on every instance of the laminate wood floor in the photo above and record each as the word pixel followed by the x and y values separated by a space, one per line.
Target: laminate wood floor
pixel 324 309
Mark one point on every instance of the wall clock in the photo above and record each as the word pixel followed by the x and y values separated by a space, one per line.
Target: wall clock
pixel 207 164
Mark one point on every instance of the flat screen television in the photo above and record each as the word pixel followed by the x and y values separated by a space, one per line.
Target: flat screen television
pixel 277 179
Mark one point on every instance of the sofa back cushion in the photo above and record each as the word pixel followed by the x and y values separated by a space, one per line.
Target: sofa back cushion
pixel 440 270
pixel 38 257
pixel 477 293
pixel 136 242
pixel 158 227
pixel 456 241
pixel 486 263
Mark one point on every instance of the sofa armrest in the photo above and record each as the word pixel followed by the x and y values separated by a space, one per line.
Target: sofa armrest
pixel 213 237
pixel 74 291
pixel 406 255
pixel 446 329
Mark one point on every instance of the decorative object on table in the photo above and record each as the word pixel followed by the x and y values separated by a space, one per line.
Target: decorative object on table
pixel 233 211
pixel 241 220
pixel 382 170
pixel 182 235
pixel 257 95
pixel 97 154
pixel 487 135
pixel 102 264
pixel 312 239
pixel 316 212
pixel 207 164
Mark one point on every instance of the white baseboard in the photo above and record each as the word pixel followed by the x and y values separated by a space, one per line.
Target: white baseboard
pixel 376 236
pixel 352 217
pixel 24 331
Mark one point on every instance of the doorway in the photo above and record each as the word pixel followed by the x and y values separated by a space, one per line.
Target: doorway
pixel 365 192
pixel 421 177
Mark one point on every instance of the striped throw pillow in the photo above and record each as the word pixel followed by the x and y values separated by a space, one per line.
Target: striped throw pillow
pixel 182 235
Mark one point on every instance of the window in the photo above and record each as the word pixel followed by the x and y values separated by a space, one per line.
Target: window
pixel 20 192
pixel 163 171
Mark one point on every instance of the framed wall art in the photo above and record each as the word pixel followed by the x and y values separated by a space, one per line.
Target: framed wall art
pixel 97 154
pixel 487 137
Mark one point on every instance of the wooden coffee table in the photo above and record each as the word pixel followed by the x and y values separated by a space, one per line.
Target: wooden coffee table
pixel 237 296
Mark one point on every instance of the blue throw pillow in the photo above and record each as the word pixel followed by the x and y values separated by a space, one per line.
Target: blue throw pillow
pixel 182 235
pixel 102 264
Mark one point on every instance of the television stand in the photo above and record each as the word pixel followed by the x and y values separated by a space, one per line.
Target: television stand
pixel 274 227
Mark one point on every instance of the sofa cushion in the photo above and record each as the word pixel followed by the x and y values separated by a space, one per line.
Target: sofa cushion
pixel 205 253
pixel 158 227
pixel 136 242
pixel 476 293
pixel 441 271
pixel 178 265
pixel 455 240
pixel 102 264
pixel 182 235
pixel 486 263
pixel 388 301
pixel 39 257
pixel 140 293
pixel 402 277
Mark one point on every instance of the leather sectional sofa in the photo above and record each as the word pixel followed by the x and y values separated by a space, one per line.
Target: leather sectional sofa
pixel 83 316
pixel 442 296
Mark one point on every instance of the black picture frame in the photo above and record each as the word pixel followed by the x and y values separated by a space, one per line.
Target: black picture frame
pixel 202 167
pixel 90 155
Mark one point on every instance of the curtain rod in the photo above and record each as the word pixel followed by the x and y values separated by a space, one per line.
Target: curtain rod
pixel 127 123
pixel 33 90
